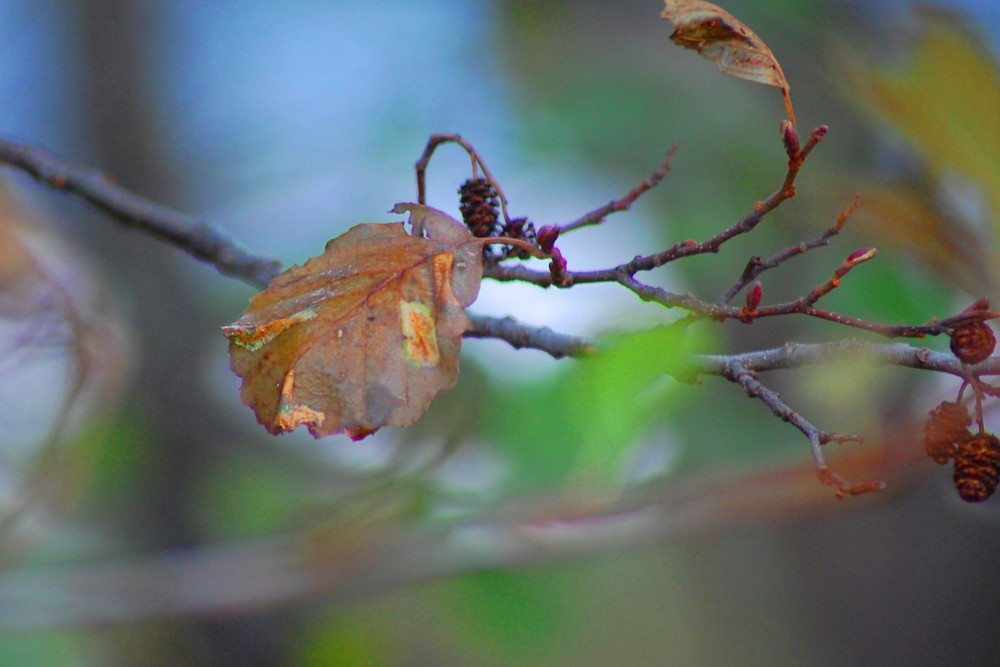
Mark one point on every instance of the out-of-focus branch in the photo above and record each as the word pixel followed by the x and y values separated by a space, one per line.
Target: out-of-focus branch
pixel 197 238
pixel 356 564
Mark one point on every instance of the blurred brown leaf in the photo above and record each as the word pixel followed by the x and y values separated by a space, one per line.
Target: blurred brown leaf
pixel 364 335
pixel 718 36
pixel 53 301
pixel 64 358
pixel 905 217
pixel 945 99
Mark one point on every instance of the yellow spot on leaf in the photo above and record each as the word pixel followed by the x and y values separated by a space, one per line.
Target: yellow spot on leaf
pixel 444 264
pixel 290 414
pixel 420 338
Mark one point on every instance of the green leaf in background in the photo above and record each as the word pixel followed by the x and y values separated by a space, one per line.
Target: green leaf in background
pixel 584 422
pixel 614 398
pixel 243 496
pixel 512 618
pixel 351 640
pixel 61 649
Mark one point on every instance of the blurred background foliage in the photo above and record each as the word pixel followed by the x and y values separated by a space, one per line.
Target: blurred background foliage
pixel 287 123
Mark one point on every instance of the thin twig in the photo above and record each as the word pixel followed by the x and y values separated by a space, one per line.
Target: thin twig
pixel 436 140
pixel 692 304
pixel 736 372
pixel 598 215
pixel 757 265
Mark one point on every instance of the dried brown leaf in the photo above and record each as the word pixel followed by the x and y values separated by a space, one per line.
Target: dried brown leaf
pixel 718 36
pixel 364 335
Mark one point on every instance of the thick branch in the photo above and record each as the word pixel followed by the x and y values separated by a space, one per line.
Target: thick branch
pixel 519 336
pixel 353 564
pixel 193 236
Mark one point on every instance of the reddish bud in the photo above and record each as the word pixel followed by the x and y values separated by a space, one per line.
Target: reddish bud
pixel 978 306
pixel 791 139
pixel 860 255
pixel 546 237
pixel 754 295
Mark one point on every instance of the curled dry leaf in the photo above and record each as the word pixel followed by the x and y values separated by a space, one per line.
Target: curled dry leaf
pixel 364 335
pixel 718 36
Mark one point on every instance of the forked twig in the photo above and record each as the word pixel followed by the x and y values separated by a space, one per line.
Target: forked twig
pixel 436 140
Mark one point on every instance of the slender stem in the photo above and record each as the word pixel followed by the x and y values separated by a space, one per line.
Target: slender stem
pixel 598 215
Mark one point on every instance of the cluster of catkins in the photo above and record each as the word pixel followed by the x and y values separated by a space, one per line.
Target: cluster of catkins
pixel 478 204
pixel 976 456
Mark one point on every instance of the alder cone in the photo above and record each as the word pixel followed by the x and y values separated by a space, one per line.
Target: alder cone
pixel 977 467
pixel 478 206
pixel 973 342
pixel 946 428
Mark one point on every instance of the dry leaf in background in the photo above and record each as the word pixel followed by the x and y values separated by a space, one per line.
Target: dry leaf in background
pixel 943 97
pixel 64 358
pixel 718 36
pixel 364 335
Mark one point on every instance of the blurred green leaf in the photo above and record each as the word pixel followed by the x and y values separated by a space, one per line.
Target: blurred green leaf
pixel 507 618
pixel 115 452
pixel 583 422
pixel 347 641
pixel 244 496
pixel 615 397
pixel 48 650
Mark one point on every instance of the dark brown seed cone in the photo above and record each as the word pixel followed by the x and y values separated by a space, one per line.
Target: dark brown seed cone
pixel 519 228
pixel 478 204
pixel 977 467
pixel 973 342
pixel 945 429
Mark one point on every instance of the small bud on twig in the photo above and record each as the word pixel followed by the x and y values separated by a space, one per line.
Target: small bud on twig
pixel 790 137
pixel 754 295
pixel 546 237
pixel 749 312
